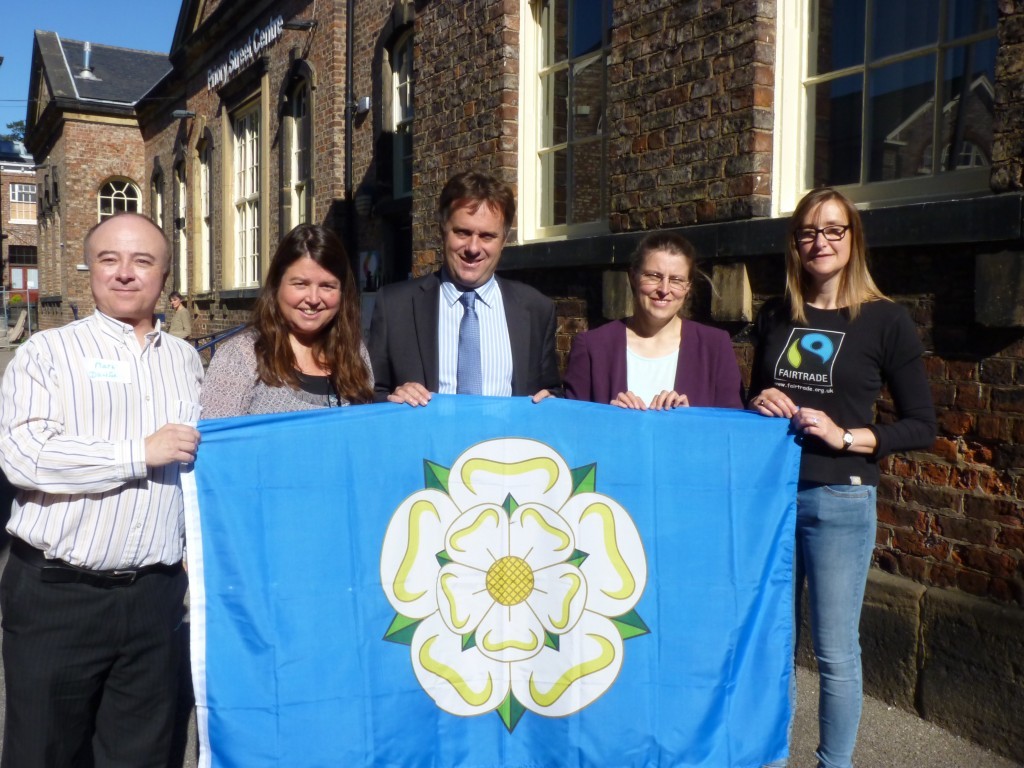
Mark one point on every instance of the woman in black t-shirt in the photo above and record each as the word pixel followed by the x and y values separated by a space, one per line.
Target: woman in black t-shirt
pixel 821 358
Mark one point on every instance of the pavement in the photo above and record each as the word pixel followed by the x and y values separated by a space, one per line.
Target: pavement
pixel 889 737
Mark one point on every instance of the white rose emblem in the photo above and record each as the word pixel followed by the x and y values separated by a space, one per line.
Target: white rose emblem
pixel 514 582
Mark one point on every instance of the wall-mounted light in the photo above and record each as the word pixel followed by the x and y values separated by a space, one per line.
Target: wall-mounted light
pixel 303 25
pixel 181 114
pixel 362 104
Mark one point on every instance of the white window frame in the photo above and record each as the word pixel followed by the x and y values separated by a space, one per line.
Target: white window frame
pixel 792 175
pixel 156 199
pixel 300 130
pixel 181 226
pixel 205 244
pixel 24 278
pixel 245 129
pixel 402 120
pixel 23 199
pixel 122 196
pixel 532 140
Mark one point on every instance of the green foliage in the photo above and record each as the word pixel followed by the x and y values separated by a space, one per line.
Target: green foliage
pixel 15 131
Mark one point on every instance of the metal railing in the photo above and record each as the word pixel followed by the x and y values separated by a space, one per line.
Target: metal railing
pixel 213 339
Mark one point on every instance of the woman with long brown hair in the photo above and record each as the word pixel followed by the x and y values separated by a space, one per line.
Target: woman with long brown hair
pixel 303 348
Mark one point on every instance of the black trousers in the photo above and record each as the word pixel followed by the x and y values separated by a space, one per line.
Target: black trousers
pixel 92 674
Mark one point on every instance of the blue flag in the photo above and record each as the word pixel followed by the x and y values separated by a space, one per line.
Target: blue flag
pixel 490 582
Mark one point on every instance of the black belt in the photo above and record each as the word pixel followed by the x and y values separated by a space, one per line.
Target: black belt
pixel 59 572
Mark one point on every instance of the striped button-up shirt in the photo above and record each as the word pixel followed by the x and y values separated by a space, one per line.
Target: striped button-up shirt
pixel 495 347
pixel 76 406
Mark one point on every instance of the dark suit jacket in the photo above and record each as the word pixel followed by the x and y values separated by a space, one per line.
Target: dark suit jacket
pixel 403 336
pixel 707 372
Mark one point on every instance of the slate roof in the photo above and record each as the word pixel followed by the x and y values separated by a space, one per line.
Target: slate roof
pixel 120 75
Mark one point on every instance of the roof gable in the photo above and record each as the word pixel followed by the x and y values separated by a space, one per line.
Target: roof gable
pixel 118 75
pixel 116 81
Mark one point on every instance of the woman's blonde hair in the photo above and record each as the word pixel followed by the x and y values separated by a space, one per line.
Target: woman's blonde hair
pixel 855 283
pixel 338 347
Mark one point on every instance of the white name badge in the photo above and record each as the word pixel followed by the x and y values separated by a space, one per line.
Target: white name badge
pixel 117 371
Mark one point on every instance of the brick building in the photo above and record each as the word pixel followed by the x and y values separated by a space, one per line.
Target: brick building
pixel 18 256
pixel 615 118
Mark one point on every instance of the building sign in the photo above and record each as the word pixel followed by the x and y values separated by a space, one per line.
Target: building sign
pixel 241 57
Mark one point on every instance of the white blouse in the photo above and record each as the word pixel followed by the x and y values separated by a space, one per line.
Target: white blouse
pixel 647 377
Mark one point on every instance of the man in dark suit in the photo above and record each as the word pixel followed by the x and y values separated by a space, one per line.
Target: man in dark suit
pixel 417 336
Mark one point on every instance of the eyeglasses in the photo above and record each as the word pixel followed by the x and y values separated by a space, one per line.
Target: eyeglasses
pixel 675 283
pixel 832 232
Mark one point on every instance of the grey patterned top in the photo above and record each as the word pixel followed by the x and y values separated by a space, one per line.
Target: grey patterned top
pixel 231 387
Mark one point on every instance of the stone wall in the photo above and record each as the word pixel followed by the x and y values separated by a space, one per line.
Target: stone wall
pixel 473 124
pixel 953 516
pixel 690 102
pixel 1008 133
pixel 949 657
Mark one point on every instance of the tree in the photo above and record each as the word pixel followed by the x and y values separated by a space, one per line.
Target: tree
pixel 16 131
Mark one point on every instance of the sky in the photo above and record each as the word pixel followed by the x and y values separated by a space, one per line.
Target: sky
pixel 147 25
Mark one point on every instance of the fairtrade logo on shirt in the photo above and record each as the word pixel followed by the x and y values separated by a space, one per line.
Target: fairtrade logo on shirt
pixel 808 358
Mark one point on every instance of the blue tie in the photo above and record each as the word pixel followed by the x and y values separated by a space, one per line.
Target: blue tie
pixel 469 378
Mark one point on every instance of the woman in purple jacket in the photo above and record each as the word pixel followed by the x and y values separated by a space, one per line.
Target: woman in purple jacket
pixel 656 359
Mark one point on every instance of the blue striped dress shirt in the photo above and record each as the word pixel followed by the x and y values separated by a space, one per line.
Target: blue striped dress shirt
pixel 77 405
pixel 495 347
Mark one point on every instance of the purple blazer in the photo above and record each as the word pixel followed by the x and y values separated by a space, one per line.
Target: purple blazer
pixel 707 371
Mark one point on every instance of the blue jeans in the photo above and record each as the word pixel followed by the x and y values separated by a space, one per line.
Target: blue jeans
pixel 835 538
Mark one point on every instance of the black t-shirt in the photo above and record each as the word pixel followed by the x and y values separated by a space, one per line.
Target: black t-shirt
pixel 317 385
pixel 838 366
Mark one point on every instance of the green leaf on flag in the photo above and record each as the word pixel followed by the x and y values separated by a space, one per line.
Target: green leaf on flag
pixel 511 712
pixel 584 479
pixel 401 630
pixel 630 625
pixel 435 477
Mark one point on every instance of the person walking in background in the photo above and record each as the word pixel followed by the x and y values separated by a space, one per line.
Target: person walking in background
pixel 303 348
pixel 181 320
pixel 821 357
pixel 463 330
pixel 94 430
pixel 656 359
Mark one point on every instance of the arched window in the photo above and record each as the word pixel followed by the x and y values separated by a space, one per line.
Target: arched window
pixel 118 196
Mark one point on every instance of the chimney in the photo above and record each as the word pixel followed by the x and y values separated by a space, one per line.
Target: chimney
pixel 86 71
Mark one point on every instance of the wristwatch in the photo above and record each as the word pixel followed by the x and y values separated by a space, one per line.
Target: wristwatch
pixel 847 439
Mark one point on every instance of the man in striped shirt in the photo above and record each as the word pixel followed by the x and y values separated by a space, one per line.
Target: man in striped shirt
pixel 94 429
pixel 415 333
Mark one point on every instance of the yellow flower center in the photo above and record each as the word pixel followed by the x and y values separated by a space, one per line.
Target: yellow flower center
pixel 510 580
